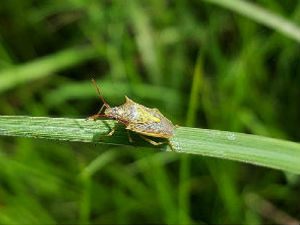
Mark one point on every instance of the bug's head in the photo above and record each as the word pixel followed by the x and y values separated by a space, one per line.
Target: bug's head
pixel 99 93
pixel 112 112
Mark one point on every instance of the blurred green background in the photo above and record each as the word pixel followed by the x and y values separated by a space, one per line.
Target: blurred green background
pixel 200 63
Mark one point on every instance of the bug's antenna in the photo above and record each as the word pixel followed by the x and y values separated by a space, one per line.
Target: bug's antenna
pixel 99 93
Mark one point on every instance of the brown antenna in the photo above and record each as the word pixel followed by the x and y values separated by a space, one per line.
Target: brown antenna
pixel 99 93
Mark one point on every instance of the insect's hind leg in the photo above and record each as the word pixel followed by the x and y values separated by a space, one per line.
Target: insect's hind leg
pixel 158 143
pixel 129 137
pixel 153 142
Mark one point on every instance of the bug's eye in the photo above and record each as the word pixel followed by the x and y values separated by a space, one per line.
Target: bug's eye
pixel 111 111
pixel 107 111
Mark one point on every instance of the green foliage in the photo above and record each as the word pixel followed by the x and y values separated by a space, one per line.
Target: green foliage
pixel 228 66
pixel 262 16
pixel 258 150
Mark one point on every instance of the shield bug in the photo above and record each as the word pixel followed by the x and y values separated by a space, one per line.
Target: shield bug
pixel 139 119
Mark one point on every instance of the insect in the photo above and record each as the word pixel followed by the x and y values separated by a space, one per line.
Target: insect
pixel 138 118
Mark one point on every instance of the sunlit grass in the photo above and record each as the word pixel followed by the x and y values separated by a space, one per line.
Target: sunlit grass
pixel 216 64
pixel 246 148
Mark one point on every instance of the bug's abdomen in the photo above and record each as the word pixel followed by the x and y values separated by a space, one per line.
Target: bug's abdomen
pixel 152 129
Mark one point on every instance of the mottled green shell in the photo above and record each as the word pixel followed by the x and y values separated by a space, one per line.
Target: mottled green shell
pixel 141 119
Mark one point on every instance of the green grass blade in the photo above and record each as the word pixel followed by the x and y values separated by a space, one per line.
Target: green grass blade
pixel 145 40
pixel 42 67
pixel 85 89
pixel 261 16
pixel 258 150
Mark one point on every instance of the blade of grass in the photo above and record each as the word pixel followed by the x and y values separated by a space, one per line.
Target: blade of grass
pixel 42 67
pixel 79 90
pixel 99 163
pixel 268 210
pixel 85 200
pixel 144 40
pixel 85 177
pixel 262 16
pixel 258 150
pixel 184 172
pixel 163 188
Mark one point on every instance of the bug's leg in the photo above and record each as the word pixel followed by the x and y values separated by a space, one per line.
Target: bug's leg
pixel 111 132
pixel 151 141
pixel 129 137
pixel 158 143
pixel 95 117
pixel 171 146
pixel 102 107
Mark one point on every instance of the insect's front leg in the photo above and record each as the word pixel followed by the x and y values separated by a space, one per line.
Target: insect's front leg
pixel 95 117
pixel 111 132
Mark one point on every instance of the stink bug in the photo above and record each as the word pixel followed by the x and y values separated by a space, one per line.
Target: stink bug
pixel 138 118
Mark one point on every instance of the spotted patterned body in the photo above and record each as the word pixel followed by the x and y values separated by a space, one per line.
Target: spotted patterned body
pixel 138 118
pixel 141 119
